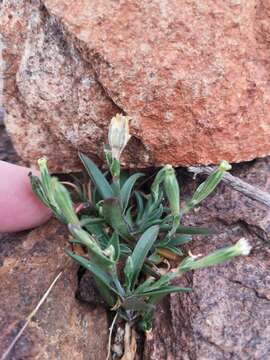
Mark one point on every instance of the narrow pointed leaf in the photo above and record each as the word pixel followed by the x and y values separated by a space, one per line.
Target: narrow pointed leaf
pixel 133 303
pixel 97 177
pixel 113 215
pixel 180 240
pixel 189 230
pixel 105 292
pixel 128 217
pixel 94 269
pixel 114 241
pixel 124 250
pixel 162 291
pixel 176 241
pixel 86 239
pixel 127 189
pixel 87 220
pixel 141 250
pixel 99 233
pixel 140 206
pixel 37 188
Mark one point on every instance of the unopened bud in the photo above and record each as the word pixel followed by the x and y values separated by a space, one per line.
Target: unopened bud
pixel 242 247
pixel 208 186
pixel 42 163
pixel 64 202
pixel 172 191
pixel 118 134
pixel 224 166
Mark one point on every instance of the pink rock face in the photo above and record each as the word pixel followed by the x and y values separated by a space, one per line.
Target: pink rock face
pixel 194 76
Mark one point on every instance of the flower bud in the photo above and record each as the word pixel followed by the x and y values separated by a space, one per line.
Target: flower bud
pixel 172 191
pixel 118 134
pixel 242 247
pixel 208 186
pixel 157 182
pixel 63 201
pixel 45 176
pixel 224 166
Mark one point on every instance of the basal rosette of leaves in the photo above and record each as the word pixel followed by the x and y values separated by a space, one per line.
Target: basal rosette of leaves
pixel 126 234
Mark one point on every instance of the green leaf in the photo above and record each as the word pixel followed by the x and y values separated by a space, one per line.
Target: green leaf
pixel 176 241
pixel 87 220
pixel 140 206
pixel 95 270
pixel 124 250
pixel 152 218
pixel 140 252
pixel 99 234
pixel 164 280
pixel 97 177
pixel 37 188
pixel 128 217
pixel 86 239
pixel 105 292
pixel 114 241
pixel 135 304
pixel 155 214
pixel 127 189
pixel 144 286
pixel 148 270
pixel 157 295
pixel 162 291
pixel 113 215
pixel 188 230
pixel 180 240
pixel 173 249
pixel 124 176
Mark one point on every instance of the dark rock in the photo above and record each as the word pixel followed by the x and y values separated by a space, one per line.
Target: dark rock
pixel 63 328
pixel 2 115
pixel 88 292
pixel 7 152
pixel 227 315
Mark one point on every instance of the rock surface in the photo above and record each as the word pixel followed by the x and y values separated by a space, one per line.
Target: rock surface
pixel 63 328
pixel 193 76
pixel 227 314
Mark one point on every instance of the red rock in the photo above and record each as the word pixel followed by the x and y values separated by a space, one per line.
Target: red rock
pixel 54 105
pixel 193 76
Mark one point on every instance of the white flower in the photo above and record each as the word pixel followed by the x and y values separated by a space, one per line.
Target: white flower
pixel 243 246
